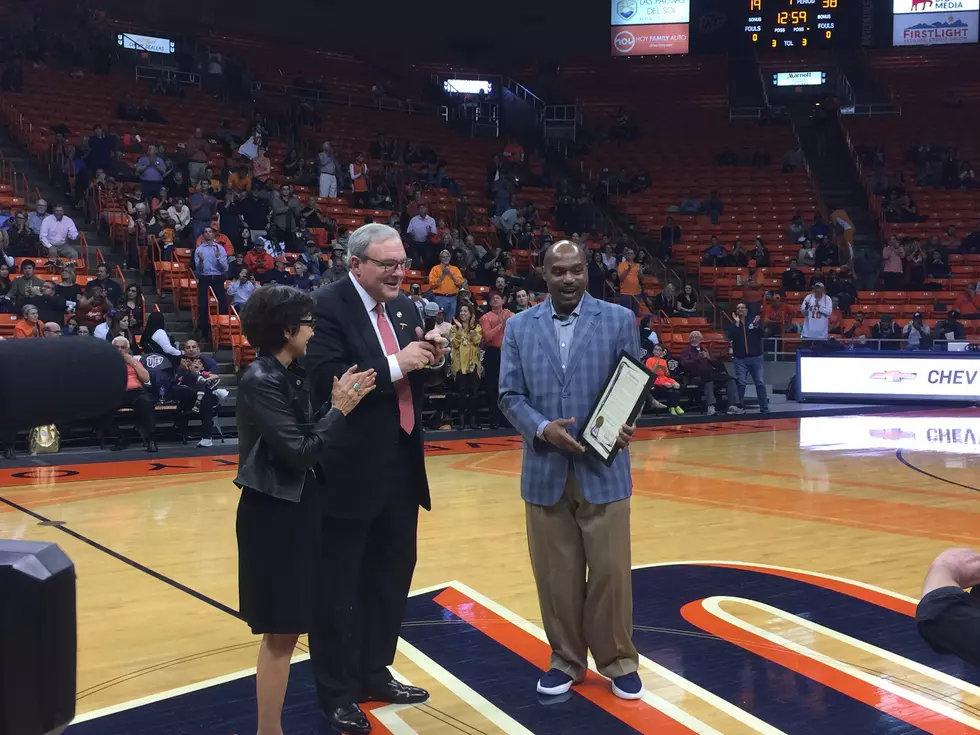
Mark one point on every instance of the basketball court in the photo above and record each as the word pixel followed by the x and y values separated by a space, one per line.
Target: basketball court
pixel 776 569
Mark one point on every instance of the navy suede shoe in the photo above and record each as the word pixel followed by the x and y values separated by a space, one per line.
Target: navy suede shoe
pixel 628 686
pixel 555 682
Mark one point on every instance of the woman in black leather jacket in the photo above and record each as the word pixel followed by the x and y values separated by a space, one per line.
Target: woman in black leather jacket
pixel 281 444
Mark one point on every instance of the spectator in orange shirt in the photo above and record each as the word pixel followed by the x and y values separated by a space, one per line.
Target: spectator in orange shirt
pixel 664 386
pixel 445 280
pixel 629 281
pixel 968 305
pixel 258 260
pixel 28 325
pixel 492 323
pixel 776 316
pixel 239 181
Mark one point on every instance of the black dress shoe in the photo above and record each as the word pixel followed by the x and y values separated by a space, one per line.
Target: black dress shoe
pixel 394 692
pixel 349 719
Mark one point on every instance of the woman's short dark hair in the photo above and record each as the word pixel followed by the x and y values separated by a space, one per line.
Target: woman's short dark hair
pixel 272 311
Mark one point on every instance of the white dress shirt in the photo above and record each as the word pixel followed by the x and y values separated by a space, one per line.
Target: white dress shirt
pixel 421 227
pixel 370 305
pixel 55 233
pixel 181 216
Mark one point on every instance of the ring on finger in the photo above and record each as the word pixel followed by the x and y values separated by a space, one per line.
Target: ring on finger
pixel 356 387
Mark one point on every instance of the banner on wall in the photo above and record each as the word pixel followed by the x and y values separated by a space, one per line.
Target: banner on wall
pixel 935 29
pixel 870 375
pixel 646 12
pixel 670 38
pixel 934 6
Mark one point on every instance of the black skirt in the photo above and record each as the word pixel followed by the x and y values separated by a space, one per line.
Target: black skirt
pixel 278 558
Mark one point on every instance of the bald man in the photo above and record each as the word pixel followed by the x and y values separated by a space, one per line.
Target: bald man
pixel 51 329
pixel 555 359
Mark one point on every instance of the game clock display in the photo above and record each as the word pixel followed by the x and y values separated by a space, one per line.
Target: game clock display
pixel 795 24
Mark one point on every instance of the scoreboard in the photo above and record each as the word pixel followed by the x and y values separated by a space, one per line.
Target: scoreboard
pixel 798 24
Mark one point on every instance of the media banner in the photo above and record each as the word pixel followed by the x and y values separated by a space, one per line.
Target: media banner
pixel 934 29
pixel 671 38
pixel 934 6
pixel 959 434
pixel 646 12
pixel 896 377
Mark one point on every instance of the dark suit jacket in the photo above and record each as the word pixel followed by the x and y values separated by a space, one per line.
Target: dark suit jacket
pixel 363 476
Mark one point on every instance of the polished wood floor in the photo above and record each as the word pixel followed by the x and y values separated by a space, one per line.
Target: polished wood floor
pixel 786 520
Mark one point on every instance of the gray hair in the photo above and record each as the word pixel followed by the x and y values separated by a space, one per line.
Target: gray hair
pixel 362 238
pixel 120 342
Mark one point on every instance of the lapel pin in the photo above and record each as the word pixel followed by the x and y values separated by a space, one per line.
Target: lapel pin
pixel 403 325
pixel 398 314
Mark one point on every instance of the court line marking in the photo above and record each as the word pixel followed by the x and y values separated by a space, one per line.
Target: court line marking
pixel 462 690
pixel 170 693
pixel 900 456
pixel 655 701
pixel 835 578
pixel 895 658
pixel 712 605
pixel 126 560
pixel 387 715
pixel 482 707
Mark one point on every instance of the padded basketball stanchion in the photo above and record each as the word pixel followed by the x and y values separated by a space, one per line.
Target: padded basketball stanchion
pixel 37 638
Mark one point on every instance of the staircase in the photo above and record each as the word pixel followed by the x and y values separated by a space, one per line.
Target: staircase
pixel 744 83
pixel 179 324
pixel 837 180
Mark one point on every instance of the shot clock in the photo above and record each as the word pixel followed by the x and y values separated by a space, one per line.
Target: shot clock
pixel 800 24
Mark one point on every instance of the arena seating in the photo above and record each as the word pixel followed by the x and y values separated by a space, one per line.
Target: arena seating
pixel 938 115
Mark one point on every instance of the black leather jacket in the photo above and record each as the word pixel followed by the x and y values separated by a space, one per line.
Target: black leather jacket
pixel 280 441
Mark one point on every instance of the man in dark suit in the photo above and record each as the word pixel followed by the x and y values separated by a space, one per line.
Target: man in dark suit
pixel 376 484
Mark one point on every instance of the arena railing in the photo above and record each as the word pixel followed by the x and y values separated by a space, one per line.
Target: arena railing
pixel 783 348
pixel 170 75
pixel 869 110
pixel 321 96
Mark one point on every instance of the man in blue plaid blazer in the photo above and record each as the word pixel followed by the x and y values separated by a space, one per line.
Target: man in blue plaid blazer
pixel 554 362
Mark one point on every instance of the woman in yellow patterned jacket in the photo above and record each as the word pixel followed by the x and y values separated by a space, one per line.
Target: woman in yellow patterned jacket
pixel 465 338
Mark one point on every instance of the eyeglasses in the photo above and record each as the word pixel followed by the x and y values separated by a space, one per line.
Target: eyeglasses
pixel 388 266
pixel 309 321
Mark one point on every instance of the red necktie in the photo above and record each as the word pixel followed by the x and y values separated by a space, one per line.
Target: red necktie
pixel 406 409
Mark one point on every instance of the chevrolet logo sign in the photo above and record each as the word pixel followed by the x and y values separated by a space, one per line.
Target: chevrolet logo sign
pixel 891 434
pixel 892 376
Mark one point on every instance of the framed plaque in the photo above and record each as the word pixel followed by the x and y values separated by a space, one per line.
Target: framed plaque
pixel 619 403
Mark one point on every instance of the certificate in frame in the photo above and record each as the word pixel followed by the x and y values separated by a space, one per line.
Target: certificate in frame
pixel 619 402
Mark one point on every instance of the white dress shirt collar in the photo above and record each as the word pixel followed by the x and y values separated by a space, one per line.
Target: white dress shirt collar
pixel 369 303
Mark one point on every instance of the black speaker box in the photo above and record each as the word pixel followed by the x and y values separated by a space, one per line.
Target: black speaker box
pixel 37 638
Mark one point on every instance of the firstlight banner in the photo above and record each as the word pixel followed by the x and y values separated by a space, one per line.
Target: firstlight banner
pixel 935 29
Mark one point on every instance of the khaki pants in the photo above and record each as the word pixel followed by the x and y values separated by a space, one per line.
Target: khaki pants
pixel 64 250
pixel 584 612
